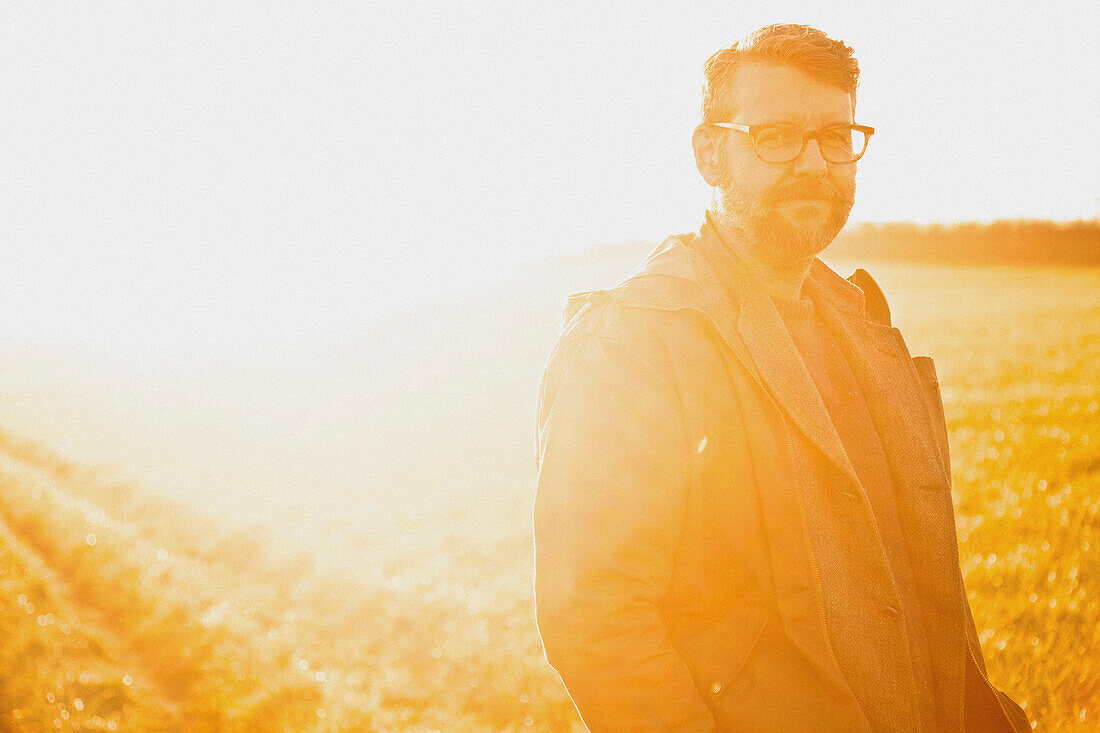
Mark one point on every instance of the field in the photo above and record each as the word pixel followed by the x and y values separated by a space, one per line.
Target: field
pixel 125 608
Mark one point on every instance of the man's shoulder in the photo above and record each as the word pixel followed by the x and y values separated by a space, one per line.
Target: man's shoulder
pixel 646 331
pixel 671 282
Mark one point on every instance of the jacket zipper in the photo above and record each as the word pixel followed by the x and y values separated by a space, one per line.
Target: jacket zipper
pixel 985 679
pixel 815 570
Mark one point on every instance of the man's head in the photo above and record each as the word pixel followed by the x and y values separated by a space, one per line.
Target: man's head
pixel 790 75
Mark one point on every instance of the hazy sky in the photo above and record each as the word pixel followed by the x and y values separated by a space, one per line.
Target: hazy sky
pixel 182 175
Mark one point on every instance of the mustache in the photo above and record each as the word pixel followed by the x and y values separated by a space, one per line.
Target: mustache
pixel 806 190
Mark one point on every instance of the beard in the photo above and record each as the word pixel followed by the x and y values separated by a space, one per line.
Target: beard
pixel 774 239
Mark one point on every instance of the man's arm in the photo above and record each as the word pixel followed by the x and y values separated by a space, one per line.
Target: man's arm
pixel 614 468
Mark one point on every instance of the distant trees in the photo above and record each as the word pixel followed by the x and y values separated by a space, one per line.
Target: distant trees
pixel 1001 242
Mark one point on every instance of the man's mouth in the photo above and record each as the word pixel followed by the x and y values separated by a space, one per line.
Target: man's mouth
pixel 806 192
pixel 796 195
pixel 802 201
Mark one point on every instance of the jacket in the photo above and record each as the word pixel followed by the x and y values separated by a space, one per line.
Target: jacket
pixel 705 557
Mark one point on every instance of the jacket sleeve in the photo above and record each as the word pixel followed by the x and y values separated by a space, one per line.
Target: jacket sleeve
pixel 614 467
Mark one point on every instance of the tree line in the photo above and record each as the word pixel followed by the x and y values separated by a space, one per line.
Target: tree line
pixel 999 242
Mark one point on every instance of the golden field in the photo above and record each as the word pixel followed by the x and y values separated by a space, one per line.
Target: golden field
pixel 406 603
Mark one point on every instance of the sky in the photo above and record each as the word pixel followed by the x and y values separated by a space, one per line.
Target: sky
pixel 185 177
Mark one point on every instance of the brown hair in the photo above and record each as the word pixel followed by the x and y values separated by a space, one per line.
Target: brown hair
pixel 800 46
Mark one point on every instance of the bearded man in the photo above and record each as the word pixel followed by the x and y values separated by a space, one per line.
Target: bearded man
pixel 743 518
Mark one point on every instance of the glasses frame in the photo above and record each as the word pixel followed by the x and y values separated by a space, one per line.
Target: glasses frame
pixel 807 135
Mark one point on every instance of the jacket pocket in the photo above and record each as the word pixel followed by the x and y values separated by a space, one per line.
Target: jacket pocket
pixel 930 386
pixel 753 679
pixel 716 655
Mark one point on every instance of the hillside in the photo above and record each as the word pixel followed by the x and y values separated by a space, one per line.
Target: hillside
pixel 123 612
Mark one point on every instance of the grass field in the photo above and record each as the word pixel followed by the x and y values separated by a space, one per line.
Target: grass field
pixel 123 610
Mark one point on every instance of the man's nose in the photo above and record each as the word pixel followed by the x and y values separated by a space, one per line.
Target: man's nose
pixel 811 163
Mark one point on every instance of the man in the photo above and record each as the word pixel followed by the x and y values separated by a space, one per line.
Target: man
pixel 743 519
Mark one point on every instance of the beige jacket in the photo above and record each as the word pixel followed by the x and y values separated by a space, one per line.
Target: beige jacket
pixel 699 567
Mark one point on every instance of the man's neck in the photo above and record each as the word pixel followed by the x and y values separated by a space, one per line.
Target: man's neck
pixel 781 279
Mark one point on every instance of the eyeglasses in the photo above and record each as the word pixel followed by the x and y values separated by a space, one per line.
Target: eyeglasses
pixel 839 144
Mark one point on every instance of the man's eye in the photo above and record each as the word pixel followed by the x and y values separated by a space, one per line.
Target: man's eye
pixel 841 136
pixel 775 138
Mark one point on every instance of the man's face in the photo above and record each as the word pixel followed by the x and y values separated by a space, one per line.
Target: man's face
pixel 787 212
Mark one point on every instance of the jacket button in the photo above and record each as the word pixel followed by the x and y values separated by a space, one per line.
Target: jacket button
pixel 715 687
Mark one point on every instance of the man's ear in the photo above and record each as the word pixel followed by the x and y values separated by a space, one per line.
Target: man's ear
pixel 705 141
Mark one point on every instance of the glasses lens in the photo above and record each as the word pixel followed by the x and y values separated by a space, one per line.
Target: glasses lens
pixel 842 144
pixel 779 143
